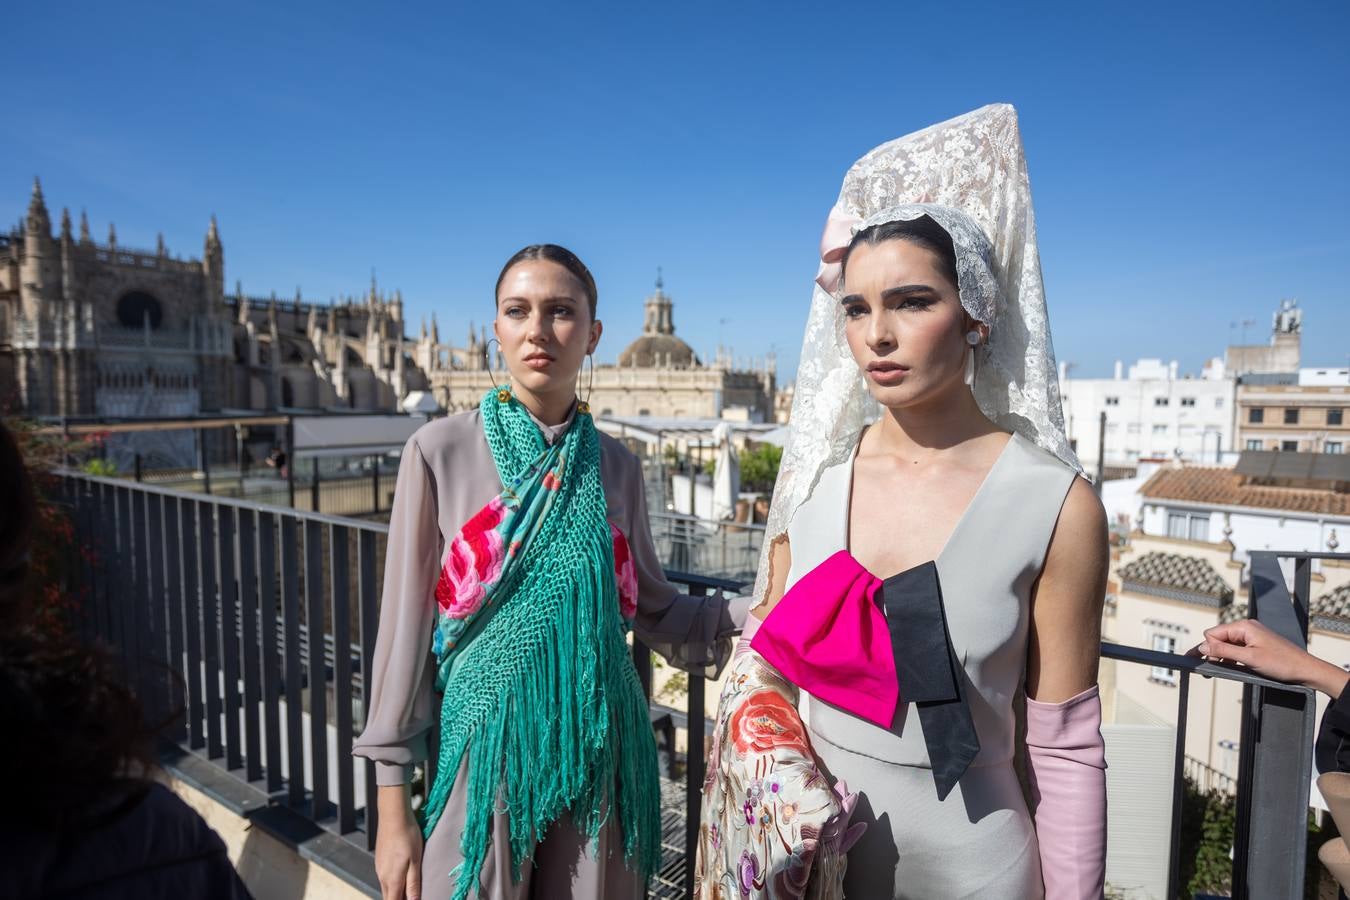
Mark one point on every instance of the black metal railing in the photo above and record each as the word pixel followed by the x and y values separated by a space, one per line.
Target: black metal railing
pixel 215 604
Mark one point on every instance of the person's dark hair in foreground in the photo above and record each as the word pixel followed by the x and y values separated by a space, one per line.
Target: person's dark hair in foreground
pixel 83 817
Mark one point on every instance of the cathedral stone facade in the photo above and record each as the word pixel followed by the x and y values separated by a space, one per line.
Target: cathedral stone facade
pixel 98 330
pixel 658 374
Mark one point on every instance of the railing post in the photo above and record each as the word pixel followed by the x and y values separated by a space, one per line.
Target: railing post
pixel 314 489
pixel 1275 752
pixel 290 461
pixel 375 483
pixel 693 768
pixel 206 463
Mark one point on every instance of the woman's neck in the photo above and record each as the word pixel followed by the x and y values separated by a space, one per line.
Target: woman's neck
pixel 551 408
pixel 934 424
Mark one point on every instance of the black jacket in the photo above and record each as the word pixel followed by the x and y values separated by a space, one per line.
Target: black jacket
pixel 1333 737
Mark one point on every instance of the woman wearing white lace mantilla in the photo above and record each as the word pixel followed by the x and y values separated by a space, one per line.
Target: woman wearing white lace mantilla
pixel 928 448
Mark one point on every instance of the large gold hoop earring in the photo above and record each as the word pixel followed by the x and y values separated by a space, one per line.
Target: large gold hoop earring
pixel 503 393
pixel 584 406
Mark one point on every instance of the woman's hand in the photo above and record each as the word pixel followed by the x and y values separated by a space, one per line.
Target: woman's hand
pixel 398 846
pixel 1255 646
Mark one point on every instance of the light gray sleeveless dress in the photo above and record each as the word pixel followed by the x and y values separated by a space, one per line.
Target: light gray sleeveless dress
pixel 980 841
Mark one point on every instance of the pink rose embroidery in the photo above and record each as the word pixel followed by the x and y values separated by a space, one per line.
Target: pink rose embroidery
pixel 625 574
pixel 473 563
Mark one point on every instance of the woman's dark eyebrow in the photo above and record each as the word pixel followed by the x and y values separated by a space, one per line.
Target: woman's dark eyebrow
pixel 561 298
pixel 905 289
pixel 902 290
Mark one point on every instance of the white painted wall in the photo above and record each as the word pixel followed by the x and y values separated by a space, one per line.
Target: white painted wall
pixel 1255 529
pixel 1137 426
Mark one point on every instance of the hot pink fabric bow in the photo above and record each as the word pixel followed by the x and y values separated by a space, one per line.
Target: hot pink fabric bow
pixel 833 242
pixel 828 636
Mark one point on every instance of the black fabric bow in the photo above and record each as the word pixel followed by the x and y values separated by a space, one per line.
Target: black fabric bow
pixel 929 674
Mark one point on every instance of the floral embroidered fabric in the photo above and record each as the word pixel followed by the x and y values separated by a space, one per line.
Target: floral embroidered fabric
pixel 772 826
pixel 474 560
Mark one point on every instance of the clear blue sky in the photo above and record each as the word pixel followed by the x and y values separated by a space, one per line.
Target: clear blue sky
pixel 1190 163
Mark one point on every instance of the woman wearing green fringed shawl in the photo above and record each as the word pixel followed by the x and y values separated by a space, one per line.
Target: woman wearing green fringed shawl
pixel 519 557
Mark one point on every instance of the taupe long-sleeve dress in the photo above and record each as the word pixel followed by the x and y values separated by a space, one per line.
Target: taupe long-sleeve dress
pixel 446 475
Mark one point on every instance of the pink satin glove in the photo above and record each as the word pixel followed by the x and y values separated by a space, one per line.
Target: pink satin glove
pixel 838 834
pixel 1066 759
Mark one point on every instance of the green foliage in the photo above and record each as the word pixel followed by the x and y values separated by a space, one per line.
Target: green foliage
pixel 101 467
pixel 676 686
pixel 759 468
pixel 1210 866
pixel 1208 823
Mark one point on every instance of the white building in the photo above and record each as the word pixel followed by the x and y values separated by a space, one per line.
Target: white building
pixel 1269 501
pixel 1151 412
pixel 1186 568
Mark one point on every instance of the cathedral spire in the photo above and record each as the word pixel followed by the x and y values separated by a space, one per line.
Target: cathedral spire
pixel 435 331
pixel 212 233
pixel 39 224
pixel 84 228
pixel 65 224
pixel 160 248
pixel 112 236
pixel 243 302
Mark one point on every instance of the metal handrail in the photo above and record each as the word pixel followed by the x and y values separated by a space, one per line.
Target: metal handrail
pixel 217 586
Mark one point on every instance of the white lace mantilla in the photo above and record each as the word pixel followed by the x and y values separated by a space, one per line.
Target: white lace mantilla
pixel 968 174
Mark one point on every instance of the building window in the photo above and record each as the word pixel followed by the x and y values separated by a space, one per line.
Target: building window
pixel 1333 447
pixel 1112 401
pixel 1254 444
pixel 1161 401
pixel 1256 416
pixel 1334 416
pixel 1164 643
pixel 1218 403
pixel 1290 446
pixel 1188 526
pixel 1160 429
pixel 1291 416
pixel 1132 427
pixel 1187 401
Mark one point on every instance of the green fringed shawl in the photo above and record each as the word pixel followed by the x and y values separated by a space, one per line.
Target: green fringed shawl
pixel 540 692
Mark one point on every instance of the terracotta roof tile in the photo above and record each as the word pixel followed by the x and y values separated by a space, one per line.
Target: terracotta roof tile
pixel 1225 487
pixel 1182 573
pixel 1331 605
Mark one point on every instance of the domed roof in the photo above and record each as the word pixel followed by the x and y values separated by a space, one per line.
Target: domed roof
pixel 659 348
pixel 654 351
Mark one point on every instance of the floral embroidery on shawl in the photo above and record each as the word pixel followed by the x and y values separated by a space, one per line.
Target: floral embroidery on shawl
pixel 625 575
pixel 476 556
pixel 772 826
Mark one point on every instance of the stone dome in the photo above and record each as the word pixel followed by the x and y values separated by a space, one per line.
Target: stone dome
pixel 658 347
pixel 658 351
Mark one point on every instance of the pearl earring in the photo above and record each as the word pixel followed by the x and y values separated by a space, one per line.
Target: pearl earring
pixel 973 337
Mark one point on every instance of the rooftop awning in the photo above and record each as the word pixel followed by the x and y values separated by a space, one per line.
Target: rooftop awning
pixel 353 435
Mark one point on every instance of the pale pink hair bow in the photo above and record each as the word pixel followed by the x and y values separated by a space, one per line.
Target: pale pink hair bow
pixel 833 244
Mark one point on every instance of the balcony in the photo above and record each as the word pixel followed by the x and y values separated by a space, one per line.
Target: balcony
pixel 256 624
